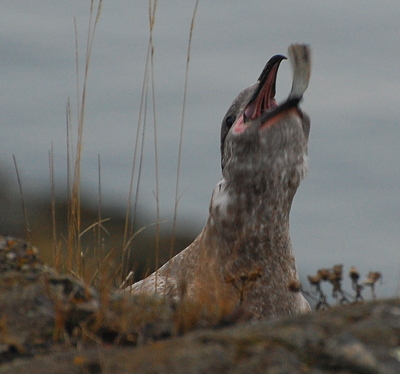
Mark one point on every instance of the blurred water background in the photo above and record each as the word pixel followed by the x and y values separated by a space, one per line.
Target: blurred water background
pixel 346 211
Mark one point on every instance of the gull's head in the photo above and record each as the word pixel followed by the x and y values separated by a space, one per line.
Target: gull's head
pixel 264 143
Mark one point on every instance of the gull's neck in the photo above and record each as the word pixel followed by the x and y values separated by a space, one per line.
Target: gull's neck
pixel 247 239
pixel 245 214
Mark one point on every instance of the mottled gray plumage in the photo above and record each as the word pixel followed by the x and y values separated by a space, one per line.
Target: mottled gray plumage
pixel 243 257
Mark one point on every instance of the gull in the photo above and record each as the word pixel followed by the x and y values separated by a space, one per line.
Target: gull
pixel 243 258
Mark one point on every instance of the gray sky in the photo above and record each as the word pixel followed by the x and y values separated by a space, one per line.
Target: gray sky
pixel 348 208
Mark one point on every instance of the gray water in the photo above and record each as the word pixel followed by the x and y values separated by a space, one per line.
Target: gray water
pixel 346 211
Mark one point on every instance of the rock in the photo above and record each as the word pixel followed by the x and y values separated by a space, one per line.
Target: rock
pixel 351 339
pixel 39 307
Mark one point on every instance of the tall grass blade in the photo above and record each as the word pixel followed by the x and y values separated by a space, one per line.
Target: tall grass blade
pixel 181 133
pixel 74 224
pixel 130 218
pixel 25 212
pixel 56 254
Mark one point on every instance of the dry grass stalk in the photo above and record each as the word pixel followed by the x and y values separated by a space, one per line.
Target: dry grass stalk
pixel 27 227
pixel 178 169
pixel 75 257
pixel 130 217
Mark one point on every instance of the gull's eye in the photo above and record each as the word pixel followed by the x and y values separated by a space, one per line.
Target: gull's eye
pixel 229 121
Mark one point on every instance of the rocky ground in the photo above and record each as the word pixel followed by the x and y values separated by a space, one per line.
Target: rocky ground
pixel 51 323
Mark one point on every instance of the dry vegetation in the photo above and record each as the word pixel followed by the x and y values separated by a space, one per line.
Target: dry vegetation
pixel 334 278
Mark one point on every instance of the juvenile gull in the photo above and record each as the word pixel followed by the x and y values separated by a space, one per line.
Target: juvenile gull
pixel 243 257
